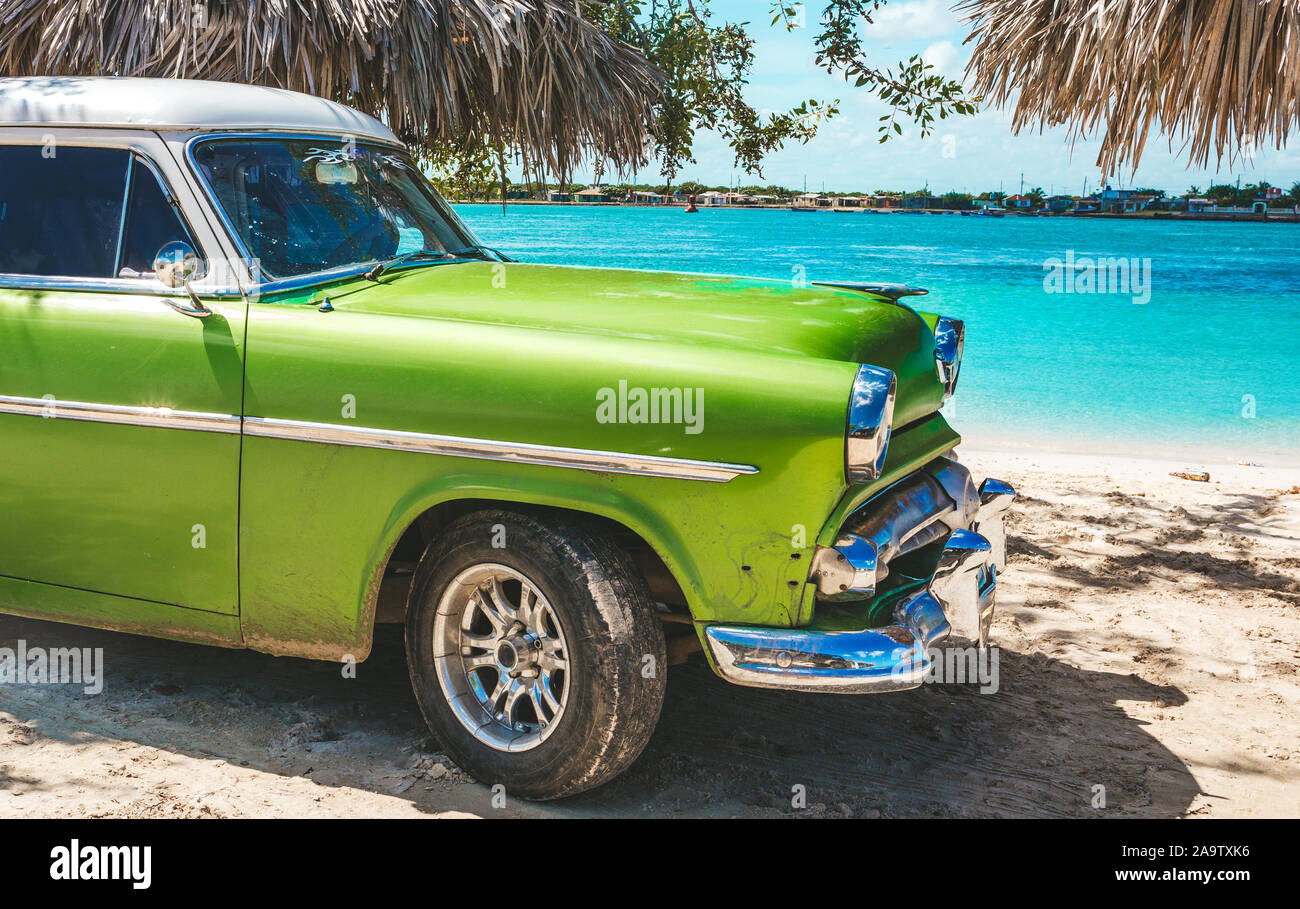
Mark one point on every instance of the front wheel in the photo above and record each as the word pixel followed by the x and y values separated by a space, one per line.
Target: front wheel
pixel 534 652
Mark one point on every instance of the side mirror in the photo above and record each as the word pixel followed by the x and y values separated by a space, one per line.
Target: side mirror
pixel 176 265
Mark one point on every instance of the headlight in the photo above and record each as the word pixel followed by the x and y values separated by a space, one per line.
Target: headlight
pixel 949 339
pixel 871 417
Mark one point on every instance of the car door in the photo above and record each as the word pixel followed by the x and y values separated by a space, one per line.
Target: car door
pixel 119 416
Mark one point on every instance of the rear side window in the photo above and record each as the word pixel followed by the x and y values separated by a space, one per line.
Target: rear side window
pixel 60 209
pixel 151 223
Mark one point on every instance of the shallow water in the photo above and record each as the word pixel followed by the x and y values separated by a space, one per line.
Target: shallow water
pixel 1208 363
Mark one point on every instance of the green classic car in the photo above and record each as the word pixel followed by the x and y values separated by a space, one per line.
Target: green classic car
pixel 261 388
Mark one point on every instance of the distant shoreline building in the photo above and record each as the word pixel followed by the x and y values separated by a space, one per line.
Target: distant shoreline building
pixel 1224 203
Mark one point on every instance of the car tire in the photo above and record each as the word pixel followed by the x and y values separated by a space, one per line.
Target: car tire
pixel 534 651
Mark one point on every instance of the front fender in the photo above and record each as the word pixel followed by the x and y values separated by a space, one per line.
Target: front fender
pixel 600 500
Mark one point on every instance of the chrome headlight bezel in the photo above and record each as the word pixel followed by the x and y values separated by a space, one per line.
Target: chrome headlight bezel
pixel 870 423
pixel 949 344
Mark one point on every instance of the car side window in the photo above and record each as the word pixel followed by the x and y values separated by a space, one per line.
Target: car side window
pixel 151 223
pixel 60 209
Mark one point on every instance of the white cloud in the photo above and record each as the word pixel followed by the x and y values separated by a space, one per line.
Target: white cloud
pixel 945 57
pixel 919 19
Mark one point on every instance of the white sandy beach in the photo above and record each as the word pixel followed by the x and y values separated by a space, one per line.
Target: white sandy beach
pixel 1149 635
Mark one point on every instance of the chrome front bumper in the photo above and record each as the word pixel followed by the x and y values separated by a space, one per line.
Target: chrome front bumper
pixel 958 599
pixel 939 499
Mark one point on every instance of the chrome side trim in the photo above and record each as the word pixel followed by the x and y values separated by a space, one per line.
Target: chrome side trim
pixel 364 437
pixel 162 417
pixel 490 450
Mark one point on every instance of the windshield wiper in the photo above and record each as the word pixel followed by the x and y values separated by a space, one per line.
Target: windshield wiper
pixel 386 264
pixel 479 251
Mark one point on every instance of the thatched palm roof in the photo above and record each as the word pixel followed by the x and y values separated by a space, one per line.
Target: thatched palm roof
pixel 532 74
pixel 1219 75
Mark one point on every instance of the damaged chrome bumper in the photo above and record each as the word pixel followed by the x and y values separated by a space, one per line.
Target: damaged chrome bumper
pixel 940 500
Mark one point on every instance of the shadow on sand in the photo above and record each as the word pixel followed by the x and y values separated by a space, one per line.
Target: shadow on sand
pixel 1037 747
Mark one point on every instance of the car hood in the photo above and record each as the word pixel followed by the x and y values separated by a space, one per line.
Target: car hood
pixel 783 317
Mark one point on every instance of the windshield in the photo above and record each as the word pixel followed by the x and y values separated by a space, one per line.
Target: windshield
pixel 307 205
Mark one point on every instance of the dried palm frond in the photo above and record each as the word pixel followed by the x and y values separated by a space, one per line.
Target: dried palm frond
pixel 1220 75
pixel 527 74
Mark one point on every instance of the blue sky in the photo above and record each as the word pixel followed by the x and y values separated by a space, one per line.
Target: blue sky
pixel 967 153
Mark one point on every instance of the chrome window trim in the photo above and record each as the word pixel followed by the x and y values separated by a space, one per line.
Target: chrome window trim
pixel 202 135
pixel 342 273
pixel 396 440
pixel 173 200
pixel 121 221
pixel 144 285
pixel 108 285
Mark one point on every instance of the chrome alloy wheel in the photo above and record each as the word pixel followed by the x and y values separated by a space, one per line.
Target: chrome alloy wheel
pixel 501 657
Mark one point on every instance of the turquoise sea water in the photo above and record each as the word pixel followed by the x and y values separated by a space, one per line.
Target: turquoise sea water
pixel 1217 341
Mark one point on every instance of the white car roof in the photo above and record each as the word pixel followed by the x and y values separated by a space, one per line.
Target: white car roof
pixel 159 104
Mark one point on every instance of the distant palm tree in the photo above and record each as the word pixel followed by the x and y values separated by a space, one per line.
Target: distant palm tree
pixel 1224 75
pixel 527 74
